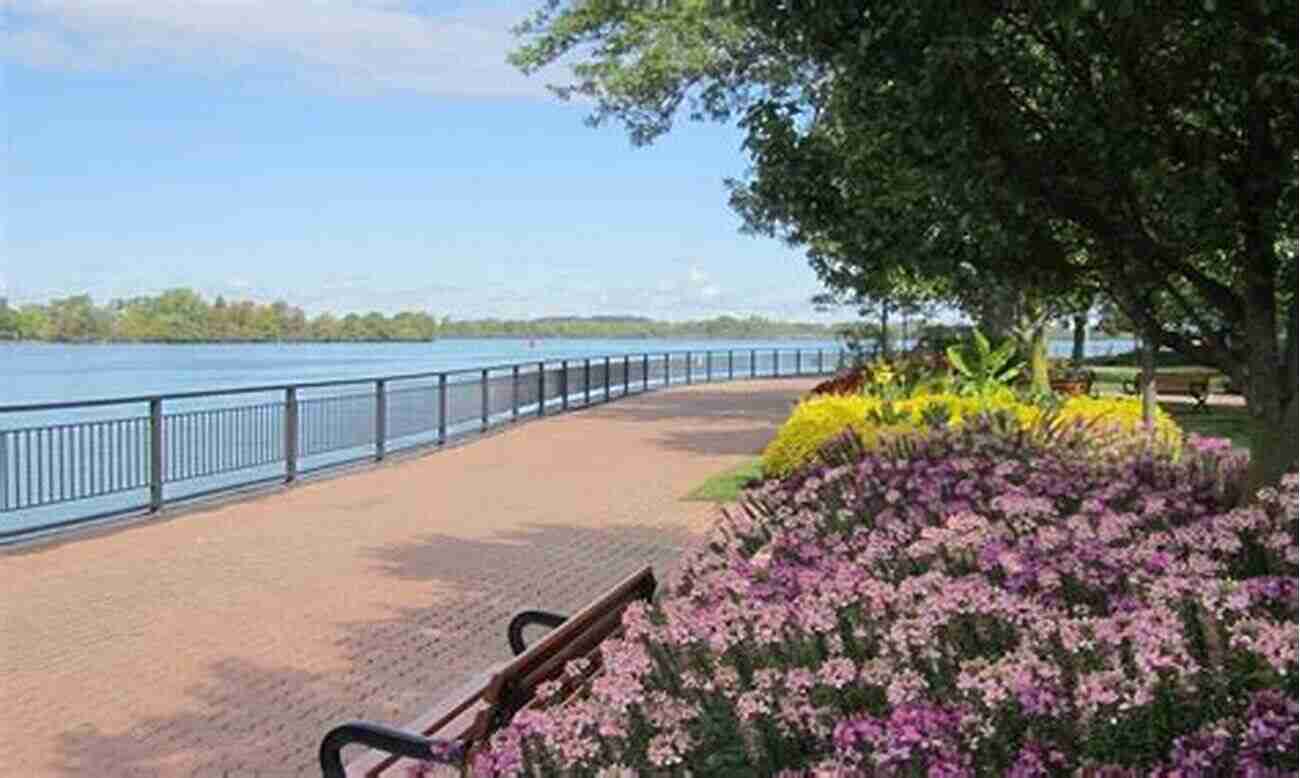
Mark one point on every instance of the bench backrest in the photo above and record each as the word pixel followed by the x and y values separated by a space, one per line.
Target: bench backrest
pixel 486 704
pixel 515 685
pixel 1174 381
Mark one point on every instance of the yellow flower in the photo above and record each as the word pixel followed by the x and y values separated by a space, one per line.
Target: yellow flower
pixel 819 419
pixel 813 423
pixel 882 373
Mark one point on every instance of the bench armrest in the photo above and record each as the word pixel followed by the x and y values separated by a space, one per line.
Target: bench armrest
pixel 382 738
pixel 515 631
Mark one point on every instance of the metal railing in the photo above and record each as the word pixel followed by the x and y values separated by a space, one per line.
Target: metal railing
pixel 67 463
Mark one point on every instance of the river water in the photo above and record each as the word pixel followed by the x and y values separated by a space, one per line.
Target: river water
pixel 69 465
pixel 55 372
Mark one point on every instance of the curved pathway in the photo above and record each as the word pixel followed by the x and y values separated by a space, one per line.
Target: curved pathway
pixel 225 641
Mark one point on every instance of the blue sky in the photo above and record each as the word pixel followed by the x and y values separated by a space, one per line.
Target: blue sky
pixel 353 155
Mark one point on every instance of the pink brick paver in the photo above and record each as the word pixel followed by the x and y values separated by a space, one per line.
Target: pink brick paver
pixel 226 641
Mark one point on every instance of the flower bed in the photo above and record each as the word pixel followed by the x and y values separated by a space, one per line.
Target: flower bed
pixel 818 419
pixel 970 601
pixel 846 382
pixel 912 370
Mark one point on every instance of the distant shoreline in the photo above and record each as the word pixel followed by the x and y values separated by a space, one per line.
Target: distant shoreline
pixel 538 338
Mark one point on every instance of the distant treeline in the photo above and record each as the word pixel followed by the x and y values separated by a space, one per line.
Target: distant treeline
pixel 184 316
pixel 634 327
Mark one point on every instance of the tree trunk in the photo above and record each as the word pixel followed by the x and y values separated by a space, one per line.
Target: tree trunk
pixel 1147 382
pixel 885 351
pixel 1038 377
pixel 1271 390
pixel 1080 350
pixel 996 324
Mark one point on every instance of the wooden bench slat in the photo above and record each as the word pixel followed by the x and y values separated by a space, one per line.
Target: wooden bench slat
pixel 582 647
pixel 635 586
pixel 1195 385
pixel 489 699
pixel 461 703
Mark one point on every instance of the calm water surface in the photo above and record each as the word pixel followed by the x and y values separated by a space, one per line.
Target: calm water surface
pixel 51 372
pixel 69 464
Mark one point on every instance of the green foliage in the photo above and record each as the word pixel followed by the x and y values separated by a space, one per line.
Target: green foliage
pixel 1058 148
pixel 862 340
pixel 183 316
pixel 936 338
pixel 1218 421
pixel 982 369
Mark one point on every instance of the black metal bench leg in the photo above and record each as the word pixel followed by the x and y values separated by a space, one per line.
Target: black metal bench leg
pixel 515 632
pixel 382 738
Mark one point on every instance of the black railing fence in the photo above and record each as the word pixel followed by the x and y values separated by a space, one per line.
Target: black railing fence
pixel 64 464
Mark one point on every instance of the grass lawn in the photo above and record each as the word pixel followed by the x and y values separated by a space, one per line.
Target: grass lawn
pixel 1111 378
pixel 1164 359
pixel 1217 420
pixel 727 486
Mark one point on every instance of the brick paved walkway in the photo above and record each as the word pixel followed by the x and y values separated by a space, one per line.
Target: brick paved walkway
pixel 225 641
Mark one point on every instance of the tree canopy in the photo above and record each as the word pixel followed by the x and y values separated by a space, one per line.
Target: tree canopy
pixel 1143 150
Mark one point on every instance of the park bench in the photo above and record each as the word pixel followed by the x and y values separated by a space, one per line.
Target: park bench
pixel 461 723
pixel 1195 385
pixel 1079 383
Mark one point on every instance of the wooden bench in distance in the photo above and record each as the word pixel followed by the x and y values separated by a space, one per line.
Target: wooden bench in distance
pixel 1195 385
pixel 452 730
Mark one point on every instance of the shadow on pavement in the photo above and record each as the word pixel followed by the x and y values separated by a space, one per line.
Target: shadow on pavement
pixel 738 420
pixel 246 720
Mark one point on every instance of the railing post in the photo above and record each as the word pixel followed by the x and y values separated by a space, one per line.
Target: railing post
pixel 708 366
pixel 798 361
pixel 606 379
pixel 514 392
pixel 753 363
pixel 442 408
pixel 155 455
pixel 541 389
pixel 821 368
pixel 627 375
pixel 668 369
pixel 731 364
pixel 4 470
pixel 290 434
pixel 483 410
pixel 586 381
pixel 381 418
pixel 564 384
pixel 645 372
pixel 776 362
pixel 688 368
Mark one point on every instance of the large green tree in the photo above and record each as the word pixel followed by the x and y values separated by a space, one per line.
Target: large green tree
pixel 1148 148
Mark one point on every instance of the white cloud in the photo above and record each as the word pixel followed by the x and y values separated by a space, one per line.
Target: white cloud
pixel 698 285
pixel 338 45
